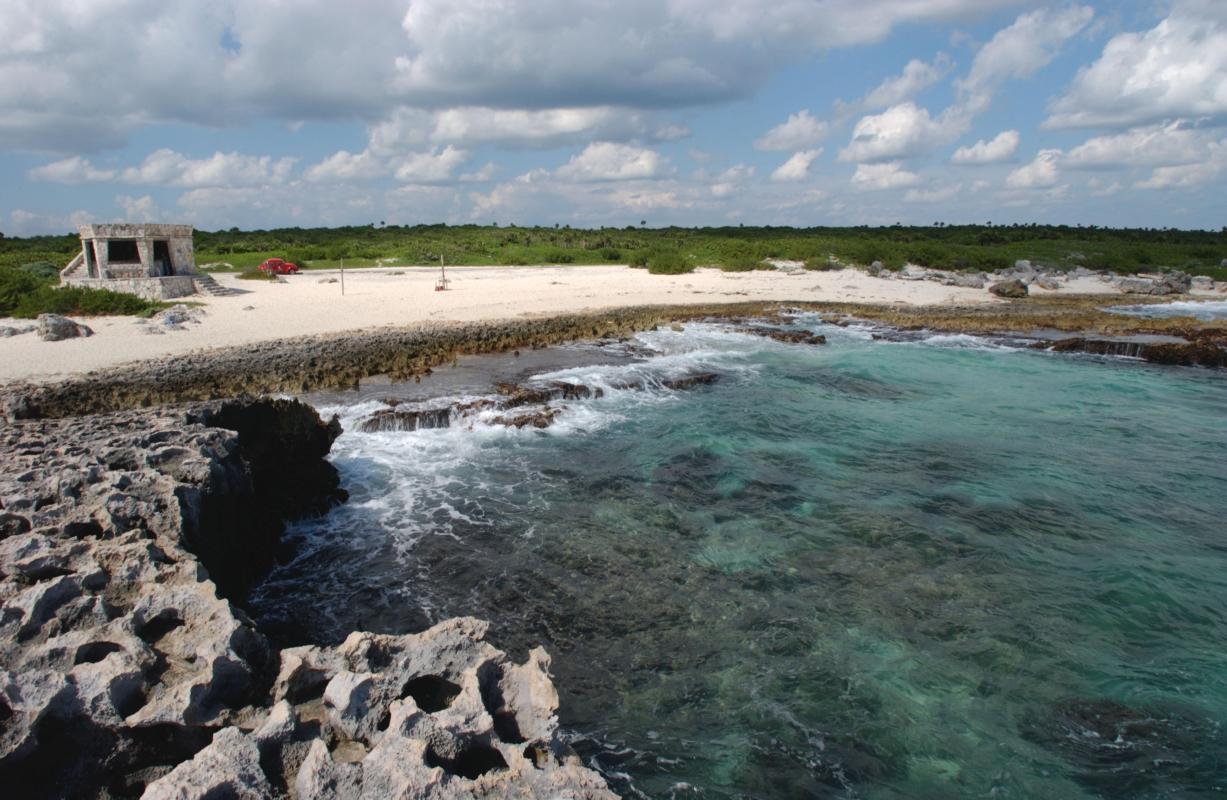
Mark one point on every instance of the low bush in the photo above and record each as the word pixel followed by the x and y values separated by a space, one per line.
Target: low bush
pixel 43 270
pixel 668 262
pixel 743 262
pixel 822 264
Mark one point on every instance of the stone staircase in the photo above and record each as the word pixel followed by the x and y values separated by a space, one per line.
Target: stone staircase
pixel 75 269
pixel 206 284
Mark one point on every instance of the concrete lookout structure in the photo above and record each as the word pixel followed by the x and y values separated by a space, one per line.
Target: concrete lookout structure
pixel 154 261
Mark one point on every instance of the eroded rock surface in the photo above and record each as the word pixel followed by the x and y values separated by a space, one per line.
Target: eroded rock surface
pixel 54 328
pixel 127 670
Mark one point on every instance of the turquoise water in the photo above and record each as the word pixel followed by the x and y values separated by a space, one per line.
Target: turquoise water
pixel 941 569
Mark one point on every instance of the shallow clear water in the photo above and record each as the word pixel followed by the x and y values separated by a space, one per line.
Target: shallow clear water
pixel 939 569
pixel 1205 310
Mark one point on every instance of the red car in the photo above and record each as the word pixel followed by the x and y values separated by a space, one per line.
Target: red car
pixel 277 266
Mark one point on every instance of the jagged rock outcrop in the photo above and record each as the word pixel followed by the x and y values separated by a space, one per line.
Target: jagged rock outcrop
pixel 126 668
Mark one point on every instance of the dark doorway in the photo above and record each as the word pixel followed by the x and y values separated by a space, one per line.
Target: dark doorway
pixel 123 251
pixel 161 258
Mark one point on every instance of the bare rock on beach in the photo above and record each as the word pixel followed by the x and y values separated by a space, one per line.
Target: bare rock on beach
pixel 1009 289
pixel 55 328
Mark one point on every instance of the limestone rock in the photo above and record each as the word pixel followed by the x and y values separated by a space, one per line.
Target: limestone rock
pixel 1010 288
pixel 54 328
pixel 128 672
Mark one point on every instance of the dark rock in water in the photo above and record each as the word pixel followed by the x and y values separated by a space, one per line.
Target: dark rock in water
pixel 54 328
pixel 691 381
pixel 1200 353
pixel 787 337
pixel 127 670
pixel 1011 288
pixel 515 396
pixel 389 419
pixel 1119 751
pixel 540 418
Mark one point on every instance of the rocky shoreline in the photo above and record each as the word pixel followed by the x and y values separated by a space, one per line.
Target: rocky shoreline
pixel 342 360
pixel 127 541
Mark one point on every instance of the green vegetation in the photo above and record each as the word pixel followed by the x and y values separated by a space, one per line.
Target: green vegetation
pixel 24 294
pixel 255 274
pixel 674 250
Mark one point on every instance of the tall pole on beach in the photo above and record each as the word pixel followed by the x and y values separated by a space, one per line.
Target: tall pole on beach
pixel 342 277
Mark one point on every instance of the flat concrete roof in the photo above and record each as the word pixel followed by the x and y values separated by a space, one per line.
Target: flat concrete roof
pixel 135 230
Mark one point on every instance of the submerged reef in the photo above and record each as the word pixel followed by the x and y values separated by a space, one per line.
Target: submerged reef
pixel 129 669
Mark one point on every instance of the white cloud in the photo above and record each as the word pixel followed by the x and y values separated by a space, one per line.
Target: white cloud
pixel 481 175
pixel 796 168
pixel 883 176
pixel 609 161
pixel 1041 173
pixel 77 76
pixel 74 169
pixel 138 209
pixel 346 166
pixel 167 167
pixel 999 148
pixel 1155 145
pixel 901 131
pixel 915 78
pixel 939 195
pixel 801 130
pixel 731 179
pixel 1211 170
pixel 435 166
pixel 1176 69
pixel 1020 50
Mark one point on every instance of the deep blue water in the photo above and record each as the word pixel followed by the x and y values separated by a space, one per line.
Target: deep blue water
pixel 940 569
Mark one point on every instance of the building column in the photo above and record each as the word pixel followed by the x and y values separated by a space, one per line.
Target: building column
pixel 103 257
pixel 145 248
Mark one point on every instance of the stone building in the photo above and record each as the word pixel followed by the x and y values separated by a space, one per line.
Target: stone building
pixel 154 261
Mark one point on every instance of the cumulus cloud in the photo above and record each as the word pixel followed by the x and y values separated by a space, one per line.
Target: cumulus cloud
pixel 1154 145
pixel 138 209
pixel 167 167
pixel 1000 148
pixel 1042 173
pixel 609 161
pixel 434 166
pixel 473 126
pixel 74 169
pixel 728 181
pixel 797 167
pixel 346 166
pixel 901 131
pixel 801 130
pixel 916 77
pixel 883 176
pixel 1209 171
pixel 80 76
pixel 1020 50
pixel 1176 69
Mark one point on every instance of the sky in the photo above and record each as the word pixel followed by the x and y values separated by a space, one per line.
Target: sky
pixel 281 113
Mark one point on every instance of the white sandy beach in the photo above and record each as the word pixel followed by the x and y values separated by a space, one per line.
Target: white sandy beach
pixel 305 305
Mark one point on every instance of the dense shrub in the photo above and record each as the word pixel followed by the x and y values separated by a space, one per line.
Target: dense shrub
pixel 43 270
pixel 638 259
pixel 668 262
pixel 822 264
pixel 743 263
pixel 559 257
pixel 611 254
pixel 26 296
